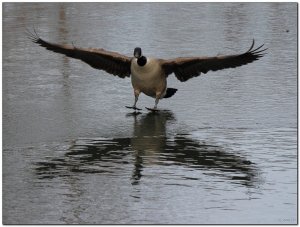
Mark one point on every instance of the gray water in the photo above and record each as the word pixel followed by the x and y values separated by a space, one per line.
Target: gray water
pixel 222 150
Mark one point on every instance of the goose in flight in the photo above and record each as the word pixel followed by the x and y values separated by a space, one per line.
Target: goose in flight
pixel 149 75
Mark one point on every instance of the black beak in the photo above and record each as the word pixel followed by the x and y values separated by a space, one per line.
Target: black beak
pixel 137 52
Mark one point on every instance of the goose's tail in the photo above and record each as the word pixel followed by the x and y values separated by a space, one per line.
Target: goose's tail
pixel 170 92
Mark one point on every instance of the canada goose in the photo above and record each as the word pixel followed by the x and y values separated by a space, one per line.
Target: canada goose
pixel 149 75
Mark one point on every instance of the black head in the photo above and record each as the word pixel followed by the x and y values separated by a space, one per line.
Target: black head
pixel 137 52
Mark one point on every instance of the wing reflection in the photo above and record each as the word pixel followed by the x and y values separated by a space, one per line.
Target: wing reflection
pixel 149 145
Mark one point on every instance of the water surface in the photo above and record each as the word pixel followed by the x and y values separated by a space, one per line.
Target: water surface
pixel 222 150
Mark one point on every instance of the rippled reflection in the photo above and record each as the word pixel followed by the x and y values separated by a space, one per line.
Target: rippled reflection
pixel 149 145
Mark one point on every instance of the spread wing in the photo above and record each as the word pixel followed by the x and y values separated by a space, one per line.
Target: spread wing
pixel 187 68
pixel 111 62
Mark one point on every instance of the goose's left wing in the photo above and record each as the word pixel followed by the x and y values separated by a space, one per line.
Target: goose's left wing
pixel 187 68
pixel 111 62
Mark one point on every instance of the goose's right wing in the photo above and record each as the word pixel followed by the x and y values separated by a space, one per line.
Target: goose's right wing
pixel 111 62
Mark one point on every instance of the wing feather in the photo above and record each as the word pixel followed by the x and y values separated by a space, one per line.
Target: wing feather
pixel 187 68
pixel 111 62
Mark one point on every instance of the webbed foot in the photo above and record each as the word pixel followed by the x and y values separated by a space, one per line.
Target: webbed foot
pixel 133 107
pixel 152 109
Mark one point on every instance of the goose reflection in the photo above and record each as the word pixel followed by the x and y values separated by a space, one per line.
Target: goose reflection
pixel 149 140
pixel 149 145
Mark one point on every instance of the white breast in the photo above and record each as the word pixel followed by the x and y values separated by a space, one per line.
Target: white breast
pixel 149 79
pixel 150 69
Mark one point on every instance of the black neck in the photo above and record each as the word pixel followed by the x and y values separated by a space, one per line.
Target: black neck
pixel 142 61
